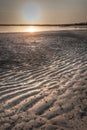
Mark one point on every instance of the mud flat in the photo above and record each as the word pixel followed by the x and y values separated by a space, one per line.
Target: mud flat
pixel 43 81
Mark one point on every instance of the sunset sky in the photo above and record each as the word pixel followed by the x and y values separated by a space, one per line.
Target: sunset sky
pixel 42 11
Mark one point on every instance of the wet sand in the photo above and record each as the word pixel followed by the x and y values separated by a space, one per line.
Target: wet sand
pixel 43 81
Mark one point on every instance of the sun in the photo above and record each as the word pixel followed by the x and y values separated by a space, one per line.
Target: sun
pixel 31 29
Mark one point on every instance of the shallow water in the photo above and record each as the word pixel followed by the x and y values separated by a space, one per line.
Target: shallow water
pixel 36 28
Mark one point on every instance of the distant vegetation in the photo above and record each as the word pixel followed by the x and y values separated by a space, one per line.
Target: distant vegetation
pixel 64 25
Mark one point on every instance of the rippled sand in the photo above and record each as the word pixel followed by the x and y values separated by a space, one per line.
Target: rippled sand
pixel 43 81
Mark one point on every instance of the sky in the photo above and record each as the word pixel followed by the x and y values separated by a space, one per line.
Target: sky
pixel 42 11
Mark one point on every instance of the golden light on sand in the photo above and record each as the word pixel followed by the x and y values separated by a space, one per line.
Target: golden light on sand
pixel 31 29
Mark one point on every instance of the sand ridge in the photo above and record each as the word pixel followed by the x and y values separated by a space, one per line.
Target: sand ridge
pixel 43 81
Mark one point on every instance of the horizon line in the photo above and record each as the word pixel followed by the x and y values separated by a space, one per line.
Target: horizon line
pixel 68 24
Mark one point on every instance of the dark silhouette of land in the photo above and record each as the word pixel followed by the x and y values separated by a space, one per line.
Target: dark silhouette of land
pixel 61 25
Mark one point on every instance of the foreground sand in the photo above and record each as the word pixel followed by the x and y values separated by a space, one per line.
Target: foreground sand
pixel 43 81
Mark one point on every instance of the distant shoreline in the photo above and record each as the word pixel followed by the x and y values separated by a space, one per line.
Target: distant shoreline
pixel 61 25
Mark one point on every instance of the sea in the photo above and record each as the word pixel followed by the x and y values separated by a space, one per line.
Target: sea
pixel 9 29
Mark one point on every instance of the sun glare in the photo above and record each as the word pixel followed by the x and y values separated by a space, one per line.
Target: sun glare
pixel 31 29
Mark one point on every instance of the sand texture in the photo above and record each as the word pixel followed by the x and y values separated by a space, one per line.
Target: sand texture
pixel 43 81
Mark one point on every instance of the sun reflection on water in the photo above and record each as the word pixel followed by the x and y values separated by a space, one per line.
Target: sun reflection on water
pixel 31 29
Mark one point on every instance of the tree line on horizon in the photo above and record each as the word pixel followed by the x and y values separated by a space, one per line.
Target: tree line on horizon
pixel 70 24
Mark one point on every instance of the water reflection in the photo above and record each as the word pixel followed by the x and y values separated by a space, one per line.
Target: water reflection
pixel 35 28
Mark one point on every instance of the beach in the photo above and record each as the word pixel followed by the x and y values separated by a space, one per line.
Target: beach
pixel 43 80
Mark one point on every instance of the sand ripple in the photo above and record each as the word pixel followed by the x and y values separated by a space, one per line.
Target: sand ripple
pixel 43 81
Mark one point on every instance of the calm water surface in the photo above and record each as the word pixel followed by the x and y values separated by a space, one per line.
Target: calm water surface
pixel 6 29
